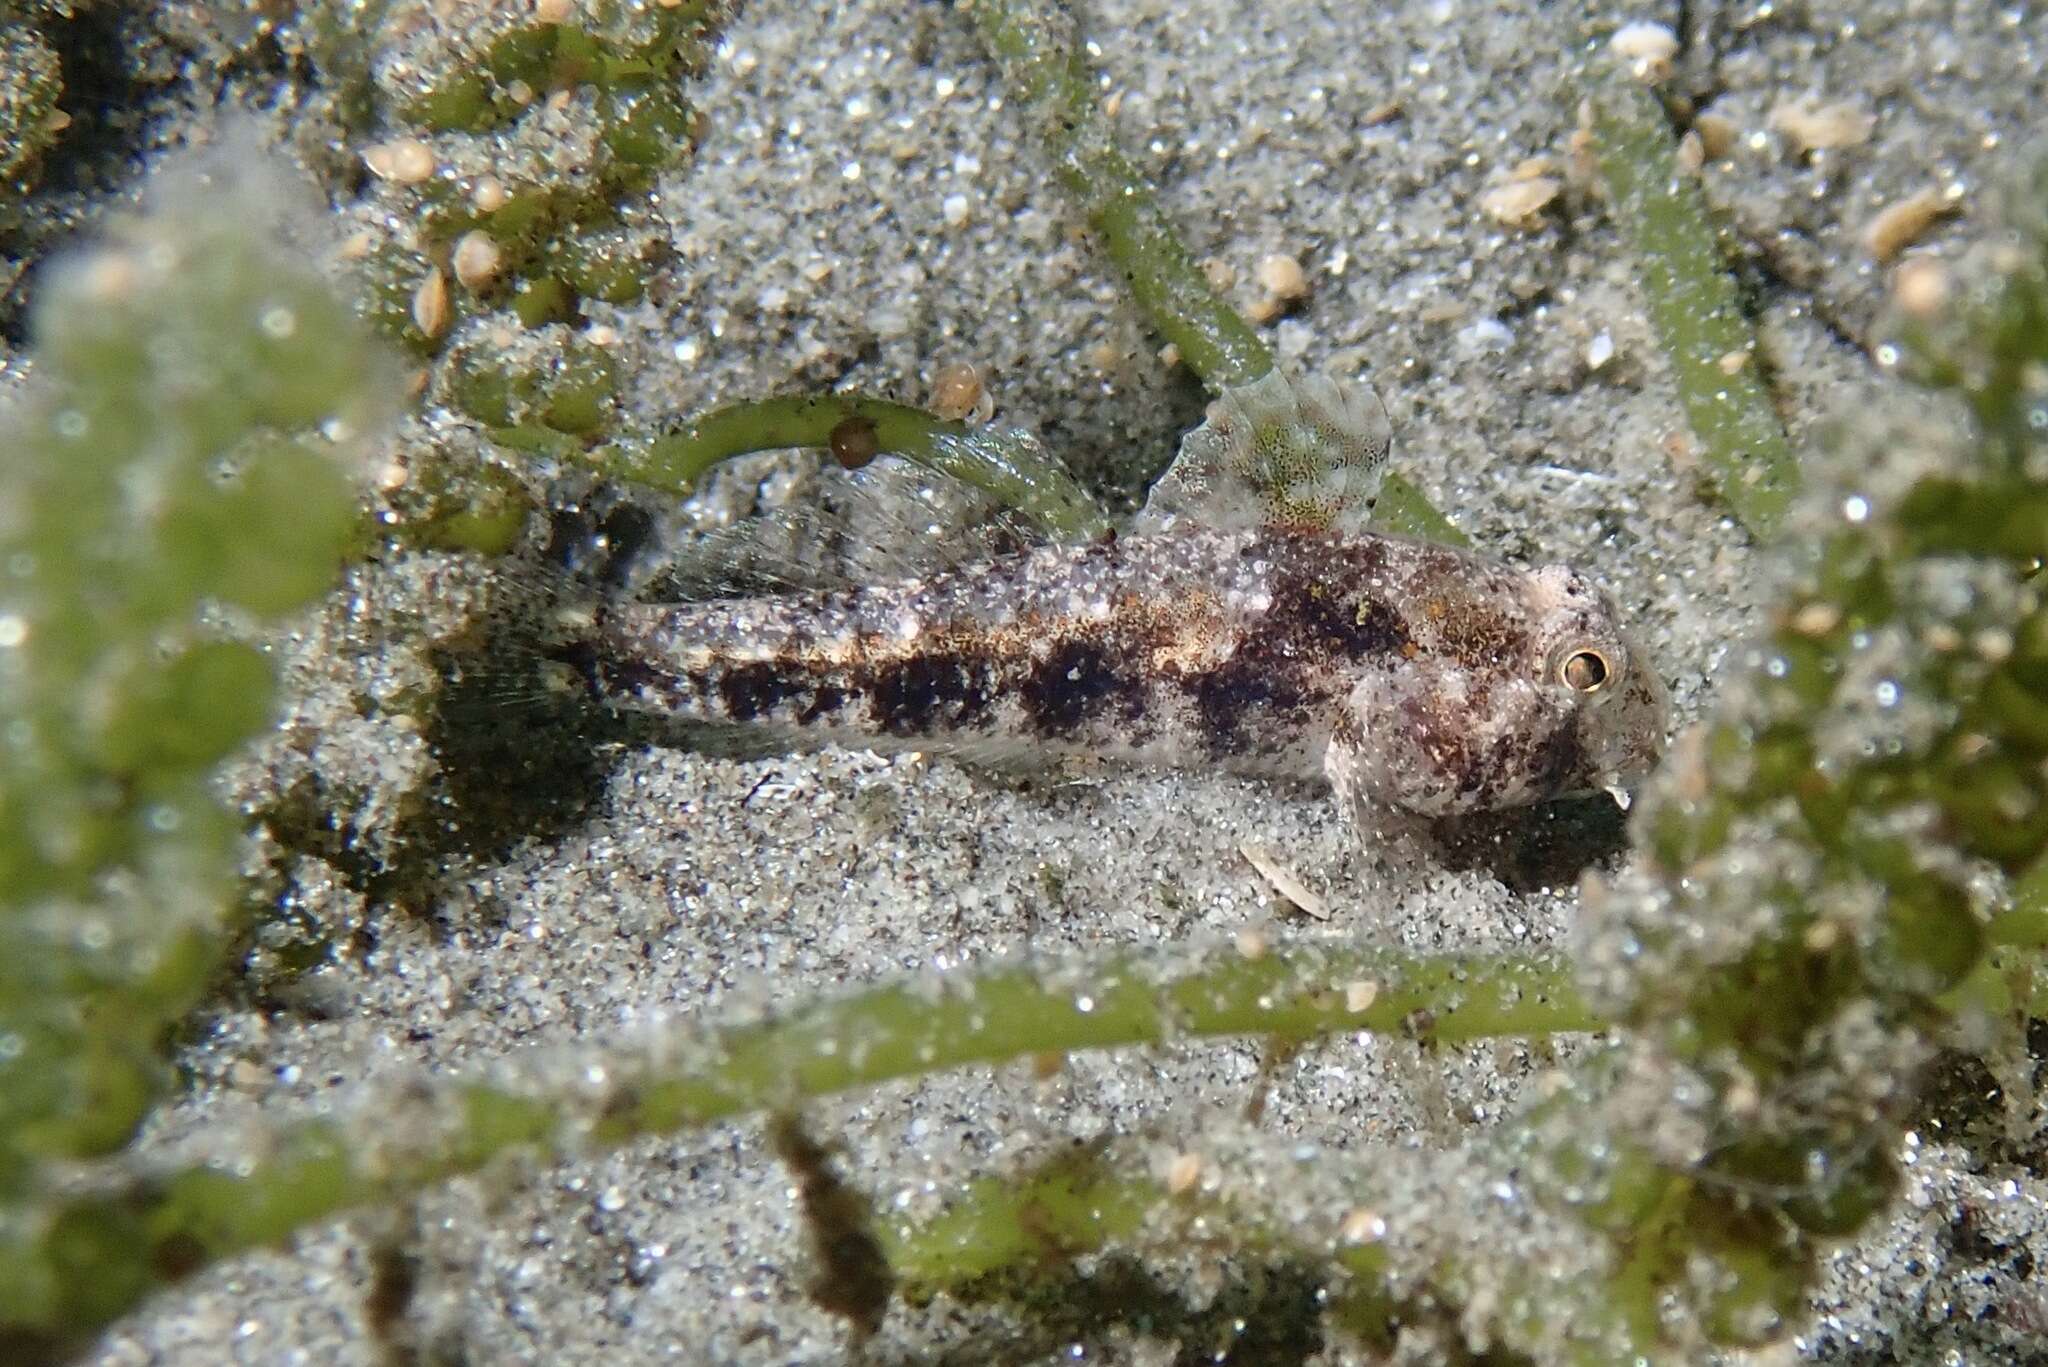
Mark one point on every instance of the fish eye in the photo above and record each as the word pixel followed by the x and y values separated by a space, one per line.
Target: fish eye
pixel 1585 670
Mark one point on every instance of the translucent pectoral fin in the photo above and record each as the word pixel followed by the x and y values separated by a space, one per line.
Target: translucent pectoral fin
pixel 1306 452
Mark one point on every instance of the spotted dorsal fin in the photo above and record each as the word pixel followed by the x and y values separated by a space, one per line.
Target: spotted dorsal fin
pixel 1282 451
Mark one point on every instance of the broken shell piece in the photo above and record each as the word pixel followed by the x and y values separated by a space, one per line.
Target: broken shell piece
pixel 1809 126
pixel 489 194
pixel 958 393
pixel 1648 50
pixel 1899 225
pixel 1519 202
pixel 1284 881
pixel 407 161
pixel 430 304
pixel 1692 153
pixel 475 259
pixel 1285 285
pixel 1281 276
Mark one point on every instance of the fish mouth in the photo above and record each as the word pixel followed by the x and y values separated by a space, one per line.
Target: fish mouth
pixel 1635 737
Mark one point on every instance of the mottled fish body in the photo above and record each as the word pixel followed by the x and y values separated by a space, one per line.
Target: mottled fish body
pixel 1412 674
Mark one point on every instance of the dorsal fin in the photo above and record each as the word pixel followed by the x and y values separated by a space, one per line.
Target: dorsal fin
pixel 829 527
pixel 1283 451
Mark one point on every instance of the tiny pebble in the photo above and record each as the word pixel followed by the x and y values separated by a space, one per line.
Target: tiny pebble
pixel 1281 276
pixel 1921 286
pixel 1816 619
pixel 1600 351
pixel 1486 336
pixel 1518 202
pixel 1809 126
pixel 957 391
pixel 1361 1226
pixel 1717 134
pixel 954 210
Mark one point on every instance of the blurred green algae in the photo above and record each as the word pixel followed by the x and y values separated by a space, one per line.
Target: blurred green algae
pixel 179 472
pixel 561 239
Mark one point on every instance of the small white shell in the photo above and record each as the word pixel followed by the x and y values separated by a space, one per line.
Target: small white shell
pixel 1647 48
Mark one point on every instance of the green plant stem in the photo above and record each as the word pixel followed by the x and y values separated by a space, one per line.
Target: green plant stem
pixel 1009 1013
pixel 1039 50
pixel 147 1230
pixel 996 1223
pixel 1010 469
pixel 675 462
pixel 1693 305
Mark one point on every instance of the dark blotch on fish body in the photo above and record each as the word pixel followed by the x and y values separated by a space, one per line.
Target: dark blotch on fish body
pixel 1280 667
pixel 749 692
pixel 925 694
pixel 1078 682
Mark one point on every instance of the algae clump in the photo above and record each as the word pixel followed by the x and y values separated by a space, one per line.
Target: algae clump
pixel 177 471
